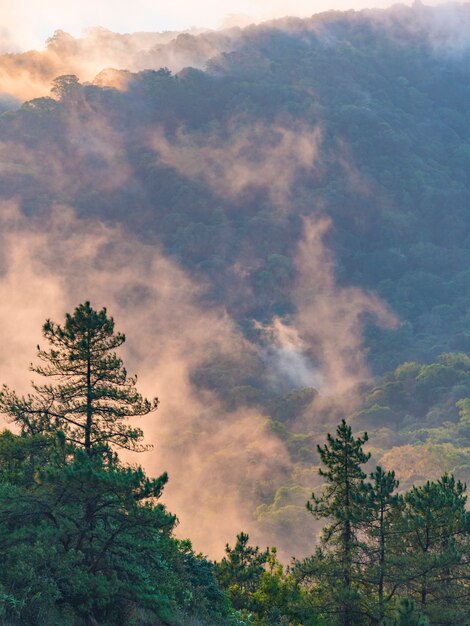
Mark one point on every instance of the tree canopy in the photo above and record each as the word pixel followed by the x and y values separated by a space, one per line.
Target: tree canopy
pixel 90 396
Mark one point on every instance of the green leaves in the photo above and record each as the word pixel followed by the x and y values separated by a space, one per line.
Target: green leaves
pixel 340 503
pixel 242 566
pixel 261 589
pixel 407 614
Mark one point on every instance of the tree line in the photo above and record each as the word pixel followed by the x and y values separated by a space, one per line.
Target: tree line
pixel 85 539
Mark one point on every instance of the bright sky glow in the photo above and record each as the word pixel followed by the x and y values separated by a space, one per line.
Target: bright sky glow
pixel 27 23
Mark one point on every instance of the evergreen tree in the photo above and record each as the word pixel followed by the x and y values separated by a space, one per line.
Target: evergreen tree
pixel 406 614
pixel 85 541
pixel 380 506
pixel 91 395
pixel 240 570
pixel 340 502
pixel 259 586
pixel 434 542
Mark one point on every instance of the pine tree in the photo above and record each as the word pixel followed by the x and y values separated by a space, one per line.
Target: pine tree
pixel 240 570
pixel 86 539
pixel 434 543
pixel 406 614
pixel 380 506
pixel 340 502
pixel 91 395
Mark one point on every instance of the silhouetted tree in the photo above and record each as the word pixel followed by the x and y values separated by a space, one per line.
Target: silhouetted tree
pixel 91 396
pixel 342 457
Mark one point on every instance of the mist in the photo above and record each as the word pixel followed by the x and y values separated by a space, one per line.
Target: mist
pixel 220 456
pixel 214 213
pixel 244 157
pixel 27 23
pixel 170 38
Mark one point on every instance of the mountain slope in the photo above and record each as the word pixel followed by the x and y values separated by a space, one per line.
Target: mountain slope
pixel 308 191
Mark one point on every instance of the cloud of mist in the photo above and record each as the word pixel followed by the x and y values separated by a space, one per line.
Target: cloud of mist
pixel 444 26
pixel 287 356
pixel 29 22
pixel 93 158
pixel 27 75
pixel 48 266
pixel 28 293
pixel 257 156
pixel 150 45
pixel 327 327
pixel 322 344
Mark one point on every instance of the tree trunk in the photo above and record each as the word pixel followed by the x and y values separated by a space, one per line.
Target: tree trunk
pixel 89 410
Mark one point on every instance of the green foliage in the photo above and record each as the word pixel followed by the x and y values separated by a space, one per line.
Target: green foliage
pixel 87 540
pixel 407 614
pixel 386 558
pixel 381 509
pixel 84 539
pixel 92 396
pixel 435 545
pixel 240 570
pixel 261 589
pixel 293 405
pixel 417 396
pixel 21 456
pixel 341 505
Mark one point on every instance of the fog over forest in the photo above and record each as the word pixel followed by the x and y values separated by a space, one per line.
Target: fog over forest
pixel 277 217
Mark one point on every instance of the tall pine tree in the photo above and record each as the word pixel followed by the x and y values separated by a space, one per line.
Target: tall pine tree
pixel 342 457
pixel 90 396
pixel 380 506
pixel 435 548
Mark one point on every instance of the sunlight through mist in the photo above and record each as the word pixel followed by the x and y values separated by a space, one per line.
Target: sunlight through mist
pixel 28 23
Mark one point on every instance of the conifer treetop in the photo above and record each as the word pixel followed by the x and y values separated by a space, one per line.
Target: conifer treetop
pixel 90 396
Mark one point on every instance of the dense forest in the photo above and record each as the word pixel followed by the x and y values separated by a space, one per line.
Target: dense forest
pixel 278 217
pixel 86 540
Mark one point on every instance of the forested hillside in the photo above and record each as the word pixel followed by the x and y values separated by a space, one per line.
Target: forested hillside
pixel 362 116
pixel 86 541
pixel 284 227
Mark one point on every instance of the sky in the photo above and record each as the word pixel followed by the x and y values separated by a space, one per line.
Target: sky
pixel 26 24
